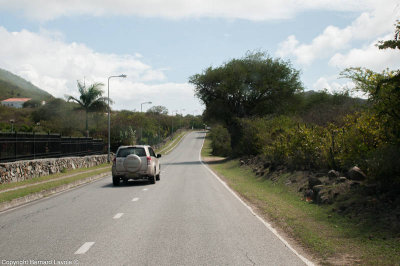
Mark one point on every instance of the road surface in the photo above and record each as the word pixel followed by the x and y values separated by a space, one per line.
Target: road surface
pixel 187 218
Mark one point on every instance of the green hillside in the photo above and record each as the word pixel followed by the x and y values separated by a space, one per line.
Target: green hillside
pixel 13 86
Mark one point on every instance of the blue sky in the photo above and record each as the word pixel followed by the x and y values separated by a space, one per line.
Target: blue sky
pixel 160 44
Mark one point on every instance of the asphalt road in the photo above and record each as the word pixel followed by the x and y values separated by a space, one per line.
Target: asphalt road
pixel 187 218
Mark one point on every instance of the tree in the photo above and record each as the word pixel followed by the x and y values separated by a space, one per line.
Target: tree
pixel 159 109
pixel 33 103
pixel 255 85
pixel 90 99
pixel 392 44
pixel 383 89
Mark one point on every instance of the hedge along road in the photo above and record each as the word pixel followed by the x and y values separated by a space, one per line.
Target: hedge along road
pixel 187 218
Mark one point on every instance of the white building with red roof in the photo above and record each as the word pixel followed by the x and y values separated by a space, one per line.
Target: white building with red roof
pixel 15 102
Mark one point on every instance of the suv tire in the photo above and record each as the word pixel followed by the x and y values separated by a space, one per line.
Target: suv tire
pixel 116 180
pixel 153 179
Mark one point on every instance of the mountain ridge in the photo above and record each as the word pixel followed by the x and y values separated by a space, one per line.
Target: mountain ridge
pixel 14 86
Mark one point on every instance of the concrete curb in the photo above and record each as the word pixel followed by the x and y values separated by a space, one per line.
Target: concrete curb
pixel 168 151
pixel 171 144
pixel 46 193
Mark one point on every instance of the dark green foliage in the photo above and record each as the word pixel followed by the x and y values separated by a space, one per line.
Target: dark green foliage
pixel 383 90
pixel 34 103
pixel 90 100
pixel 392 44
pixel 220 141
pixel 159 109
pixel 254 85
pixel 322 108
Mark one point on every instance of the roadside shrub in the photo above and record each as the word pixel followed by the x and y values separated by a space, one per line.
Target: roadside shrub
pixel 356 141
pixel 220 141
pixel 285 141
pixel 383 166
pixel 308 147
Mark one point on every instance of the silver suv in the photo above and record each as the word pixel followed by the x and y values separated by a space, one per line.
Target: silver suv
pixel 138 162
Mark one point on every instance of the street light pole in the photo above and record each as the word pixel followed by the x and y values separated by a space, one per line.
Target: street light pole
pixel 194 118
pixel 180 119
pixel 108 99
pixel 142 105
pixel 172 119
pixel 12 125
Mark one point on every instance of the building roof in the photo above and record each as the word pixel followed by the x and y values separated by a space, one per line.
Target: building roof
pixel 17 100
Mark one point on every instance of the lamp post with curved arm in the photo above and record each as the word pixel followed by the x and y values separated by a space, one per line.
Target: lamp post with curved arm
pixel 108 98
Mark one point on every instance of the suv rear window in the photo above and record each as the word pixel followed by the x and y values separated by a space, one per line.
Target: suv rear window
pixel 131 150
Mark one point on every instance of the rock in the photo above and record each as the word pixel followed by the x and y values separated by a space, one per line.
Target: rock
pixel 309 193
pixel 355 173
pixel 325 199
pixel 341 179
pixel 332 174
pixel 23 170
pixel 318 188
pixel 325 180
pixel 354 185
pixel 313 181
pixel 241 163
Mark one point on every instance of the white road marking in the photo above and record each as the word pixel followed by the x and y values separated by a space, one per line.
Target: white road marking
pixel 145 189
pixel 135 199
pixel 84 248
pixel 118 215
pixel 306 261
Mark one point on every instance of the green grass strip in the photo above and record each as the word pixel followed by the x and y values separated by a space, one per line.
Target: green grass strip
pixel 172 142
pixel 50 177
pixel 332 238
pixel 10 195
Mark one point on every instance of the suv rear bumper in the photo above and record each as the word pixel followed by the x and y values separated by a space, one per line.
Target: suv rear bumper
pixel 128 175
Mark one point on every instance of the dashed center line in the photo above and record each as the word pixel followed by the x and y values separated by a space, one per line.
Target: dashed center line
pixel 84 248
pixel 118 215
pixel 135 199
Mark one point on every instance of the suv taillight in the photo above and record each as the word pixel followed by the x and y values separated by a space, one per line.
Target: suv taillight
pixel 148 160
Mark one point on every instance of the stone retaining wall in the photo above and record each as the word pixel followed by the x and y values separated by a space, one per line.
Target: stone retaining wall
pixel 23 170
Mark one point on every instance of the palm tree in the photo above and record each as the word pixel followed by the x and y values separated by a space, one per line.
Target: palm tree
pixel 91 100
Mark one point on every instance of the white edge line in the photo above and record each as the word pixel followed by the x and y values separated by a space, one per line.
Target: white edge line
pixel 84 248
pixel 118 215
pixel 268 225
pixel 135 199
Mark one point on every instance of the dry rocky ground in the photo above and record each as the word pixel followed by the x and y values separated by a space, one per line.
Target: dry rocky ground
pixel 348 194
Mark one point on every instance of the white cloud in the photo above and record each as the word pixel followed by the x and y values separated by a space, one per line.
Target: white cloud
pixel 53 65
pixel 176 9
pixel 377 20
pixel 332 85
pixel 369 57
pixel 332 38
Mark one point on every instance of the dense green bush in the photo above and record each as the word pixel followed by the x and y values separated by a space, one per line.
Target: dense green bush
pixel 360 139
pixel 220 141
pixel 285 141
